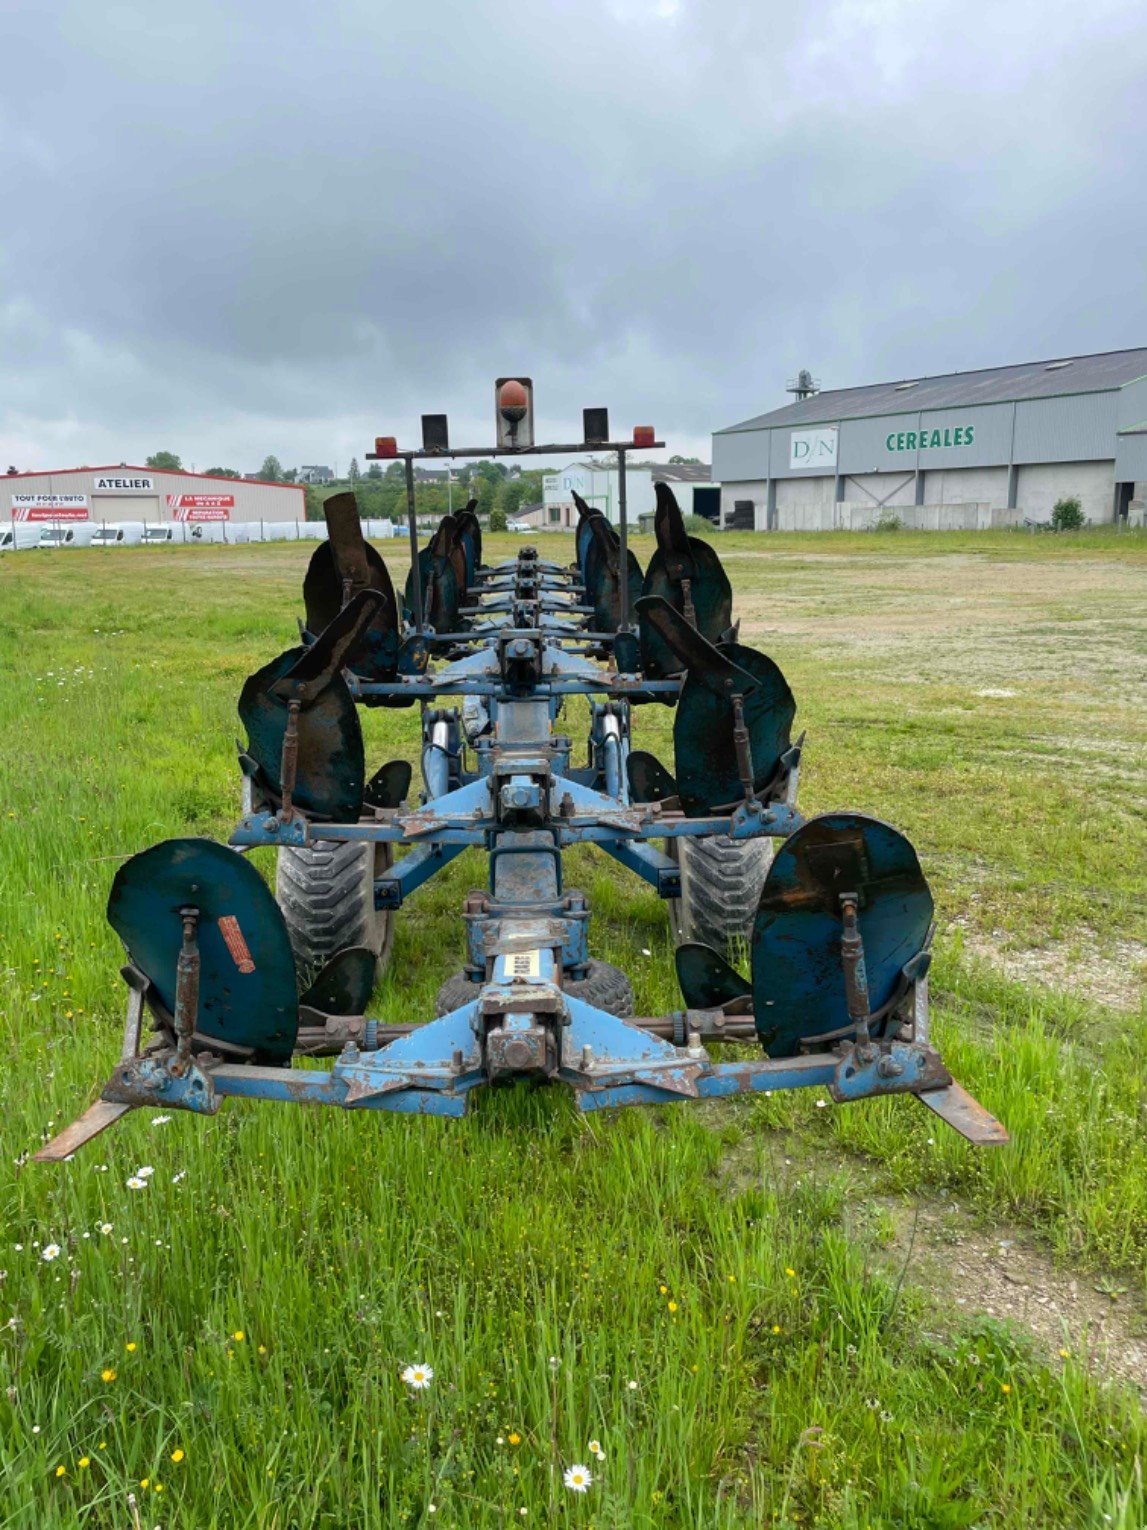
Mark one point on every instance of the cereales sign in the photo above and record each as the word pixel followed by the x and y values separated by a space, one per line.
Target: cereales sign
pixel 923 440
pixel 131 484
pixel 813 448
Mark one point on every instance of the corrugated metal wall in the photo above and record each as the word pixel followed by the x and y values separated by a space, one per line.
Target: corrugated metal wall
pixel 253 501
pixel 1078 429
pixel 1073 432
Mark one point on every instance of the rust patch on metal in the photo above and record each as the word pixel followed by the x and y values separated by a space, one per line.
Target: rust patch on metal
pixel 236 944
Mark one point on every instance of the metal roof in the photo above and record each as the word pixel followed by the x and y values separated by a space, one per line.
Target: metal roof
pixel 151 472
pixel 994 385
pixel 682 472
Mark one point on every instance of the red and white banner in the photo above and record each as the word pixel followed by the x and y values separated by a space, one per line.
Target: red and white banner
pixel 201 507
pixel 50 507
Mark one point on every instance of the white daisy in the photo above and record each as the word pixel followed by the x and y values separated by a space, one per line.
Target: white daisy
pixel 135 1183
pixel 418 1377
pixel 105 1228
pixel 50 1251
pixel 160 1120
pixel 577 1478
pixel 146 1172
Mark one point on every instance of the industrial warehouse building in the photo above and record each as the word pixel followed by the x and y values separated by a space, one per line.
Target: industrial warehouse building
pixel 965 451
pixel 151 495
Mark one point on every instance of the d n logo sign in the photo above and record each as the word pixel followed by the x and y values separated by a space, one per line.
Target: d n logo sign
pixel 813 448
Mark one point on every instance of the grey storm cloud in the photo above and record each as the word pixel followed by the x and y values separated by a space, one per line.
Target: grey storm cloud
pixel 234 229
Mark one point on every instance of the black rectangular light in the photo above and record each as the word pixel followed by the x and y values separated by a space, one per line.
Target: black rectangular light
pixel 595 426
pixel 435 433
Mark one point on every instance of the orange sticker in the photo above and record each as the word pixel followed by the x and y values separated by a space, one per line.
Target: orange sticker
pixel 233 935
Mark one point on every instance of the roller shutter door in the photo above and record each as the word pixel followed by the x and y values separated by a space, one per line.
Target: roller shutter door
pixel 125 507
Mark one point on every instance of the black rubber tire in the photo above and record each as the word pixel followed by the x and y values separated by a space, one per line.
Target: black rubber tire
pixel 721 881
pixel 326 893
pixel 604 986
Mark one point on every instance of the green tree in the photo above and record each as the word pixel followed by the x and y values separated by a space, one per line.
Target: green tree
pixel 533 489
pixel 352 472
pixel 497 520
pixel 395 472
pixel 485 496
pixel 272 470
pixel 686 460
pixel 513 494
pixel 492 472
pixel 374 470
pixel 290 475
pixel 215 472
pixel 166 460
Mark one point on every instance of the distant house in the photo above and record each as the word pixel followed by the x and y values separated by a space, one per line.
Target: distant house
pixel 599 485
pixel 315 474
pixel 542 517
pixel 693 488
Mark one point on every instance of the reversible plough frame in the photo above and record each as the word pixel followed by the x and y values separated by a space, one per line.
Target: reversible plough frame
pixel 840 945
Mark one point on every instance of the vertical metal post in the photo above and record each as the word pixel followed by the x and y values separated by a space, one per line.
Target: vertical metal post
pixel 416 580
pixel 623 535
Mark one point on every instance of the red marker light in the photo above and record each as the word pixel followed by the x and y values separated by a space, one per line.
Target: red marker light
pixel 513 400
pixel 385 446
pixel 644 435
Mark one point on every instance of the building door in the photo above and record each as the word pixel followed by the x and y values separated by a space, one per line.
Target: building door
pixel 125 507
pixel 1124 494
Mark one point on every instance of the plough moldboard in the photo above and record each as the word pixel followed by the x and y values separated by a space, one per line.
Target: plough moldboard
pixel 239 984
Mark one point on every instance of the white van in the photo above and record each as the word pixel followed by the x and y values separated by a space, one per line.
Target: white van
pixel 161 533
pixel 119 534
pixel 17 537
pixel 79 535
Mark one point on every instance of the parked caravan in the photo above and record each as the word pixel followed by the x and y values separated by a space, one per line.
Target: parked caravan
pixel 119 534
pixel 78 535
pixel 18 537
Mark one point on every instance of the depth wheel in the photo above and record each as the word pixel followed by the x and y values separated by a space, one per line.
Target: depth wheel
pixel 721 881
pixel 604 986
pixel 326 893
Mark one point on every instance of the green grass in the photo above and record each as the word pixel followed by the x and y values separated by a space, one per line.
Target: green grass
pixel 522 1252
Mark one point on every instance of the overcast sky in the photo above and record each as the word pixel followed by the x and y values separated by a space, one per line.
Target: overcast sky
pixel 238 227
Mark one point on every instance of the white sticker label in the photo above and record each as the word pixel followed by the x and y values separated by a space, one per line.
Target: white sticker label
pixel 526 964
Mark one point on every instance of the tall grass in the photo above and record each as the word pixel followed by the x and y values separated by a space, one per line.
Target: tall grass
pixel 740 1357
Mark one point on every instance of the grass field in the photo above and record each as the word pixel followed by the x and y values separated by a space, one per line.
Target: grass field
pixel 705 1292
